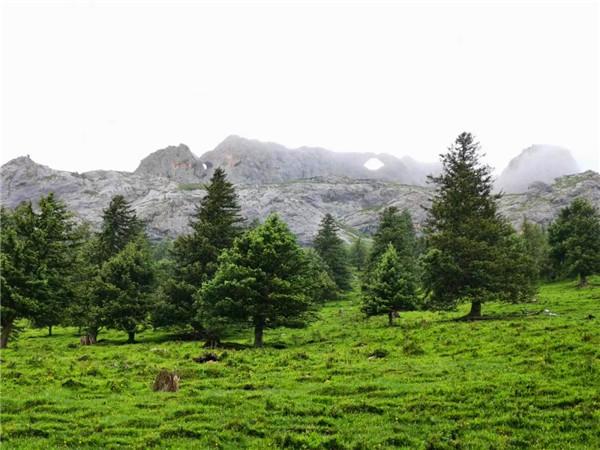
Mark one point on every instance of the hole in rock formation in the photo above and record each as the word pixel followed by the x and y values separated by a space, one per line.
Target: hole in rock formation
pixel 373 164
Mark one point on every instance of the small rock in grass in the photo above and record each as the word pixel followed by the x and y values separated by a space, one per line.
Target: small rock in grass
pixel 166 381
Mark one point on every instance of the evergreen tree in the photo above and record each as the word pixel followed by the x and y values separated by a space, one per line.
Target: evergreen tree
pixel 22 277
pixel 320 287
pixel 358 254
pixel 261 281
pixel 331 249
pixel 58 242
pixel 123 287
pixel 394 228
pixel 120 226
pixel 537 247
pixel 575 240
pixel 215 225
pixel 474 254
pixel 392 286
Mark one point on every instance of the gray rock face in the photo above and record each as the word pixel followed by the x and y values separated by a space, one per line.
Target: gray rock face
pixel 174 163
pixel 255 162
pixel 537 163
pixel 166 204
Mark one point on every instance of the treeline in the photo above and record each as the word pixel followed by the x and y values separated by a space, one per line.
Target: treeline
pixel 227 273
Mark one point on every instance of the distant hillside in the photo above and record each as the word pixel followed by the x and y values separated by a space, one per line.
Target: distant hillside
pixel 537 163
pixel 166 191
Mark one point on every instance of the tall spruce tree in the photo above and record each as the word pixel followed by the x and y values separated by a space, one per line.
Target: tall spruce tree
pixel 22 277
pixel 262 282
pixel 359 254
pixel 394 228
pixel 331 249
pixel 120 226
pixel 123 288
pixel 215 224
pixel 58 242
pixel 474 254
pixel 391 287
pixel 575 240
pixel 535 240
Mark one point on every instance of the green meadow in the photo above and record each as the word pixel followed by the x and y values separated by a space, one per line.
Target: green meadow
pixel 524 378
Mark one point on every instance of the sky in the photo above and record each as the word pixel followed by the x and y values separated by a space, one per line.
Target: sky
pixel 101 84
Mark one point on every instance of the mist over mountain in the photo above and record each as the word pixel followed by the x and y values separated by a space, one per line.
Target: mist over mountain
pixel 542 163
pixel 301 185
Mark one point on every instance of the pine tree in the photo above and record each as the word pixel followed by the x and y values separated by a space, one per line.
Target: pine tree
pixel 261 282
pixel 359 254
pixel 394 228
pixel 474 254
pixel 58 242
pixel 320 287
pixel 392 286
pixel 123 287
pixel 120 226
pixel 331 249
pixel 215 225
pixel 535 239
pixel 575 240
pixel 22 277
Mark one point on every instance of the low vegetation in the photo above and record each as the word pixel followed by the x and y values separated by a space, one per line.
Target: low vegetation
pixel 527 378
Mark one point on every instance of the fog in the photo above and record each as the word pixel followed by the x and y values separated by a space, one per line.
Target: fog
pixel 101 84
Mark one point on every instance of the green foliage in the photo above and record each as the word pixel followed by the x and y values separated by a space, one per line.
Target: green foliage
pixel 320 287
pixel 120 226
pixel 123 288
pixel 261 281
pixel 358 253
pixel 331 249
pixel 58 242
pixel 37 264
pixel 515 382
pixel 215 225
pixel 535 240
pixel 575 240
pixel 474 254
pixel 391 287
pixel 394 228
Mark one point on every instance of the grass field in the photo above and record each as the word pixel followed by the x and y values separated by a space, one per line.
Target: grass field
pixel 345 382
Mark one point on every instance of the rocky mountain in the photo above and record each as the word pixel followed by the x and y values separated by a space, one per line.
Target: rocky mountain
pixel 254 162
pixel 536 163
pixel 165 194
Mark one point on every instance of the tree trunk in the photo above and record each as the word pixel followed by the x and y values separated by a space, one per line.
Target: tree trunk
pixel 391 318
pixel 583 281
pixel 49 330
pixel 131 339
pixel 4 335
pixel 93 335
pixel 258 335
pixel 475 309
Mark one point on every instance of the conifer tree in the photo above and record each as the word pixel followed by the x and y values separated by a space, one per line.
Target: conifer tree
pixel 215 224
pixel 397 229
pixel 331 249
pixel 320 287
pixel 535 240
pixel 58 242
pixel 261 282
pixel 392 286
pixel 359 253
pixel 22 277
pixel 474 254
pixel 120 226
pixel 575 240
pixel 123 288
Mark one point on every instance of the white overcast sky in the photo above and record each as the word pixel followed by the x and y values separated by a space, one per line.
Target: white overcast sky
pixel 99 85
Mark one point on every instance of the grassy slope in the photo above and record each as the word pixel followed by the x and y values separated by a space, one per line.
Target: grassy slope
pixel 531 382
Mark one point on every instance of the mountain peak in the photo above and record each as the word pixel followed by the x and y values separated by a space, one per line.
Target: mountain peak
pixel 176 163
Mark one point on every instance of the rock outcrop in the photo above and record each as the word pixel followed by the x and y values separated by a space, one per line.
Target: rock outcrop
pixel 167 200
pixel 538 163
